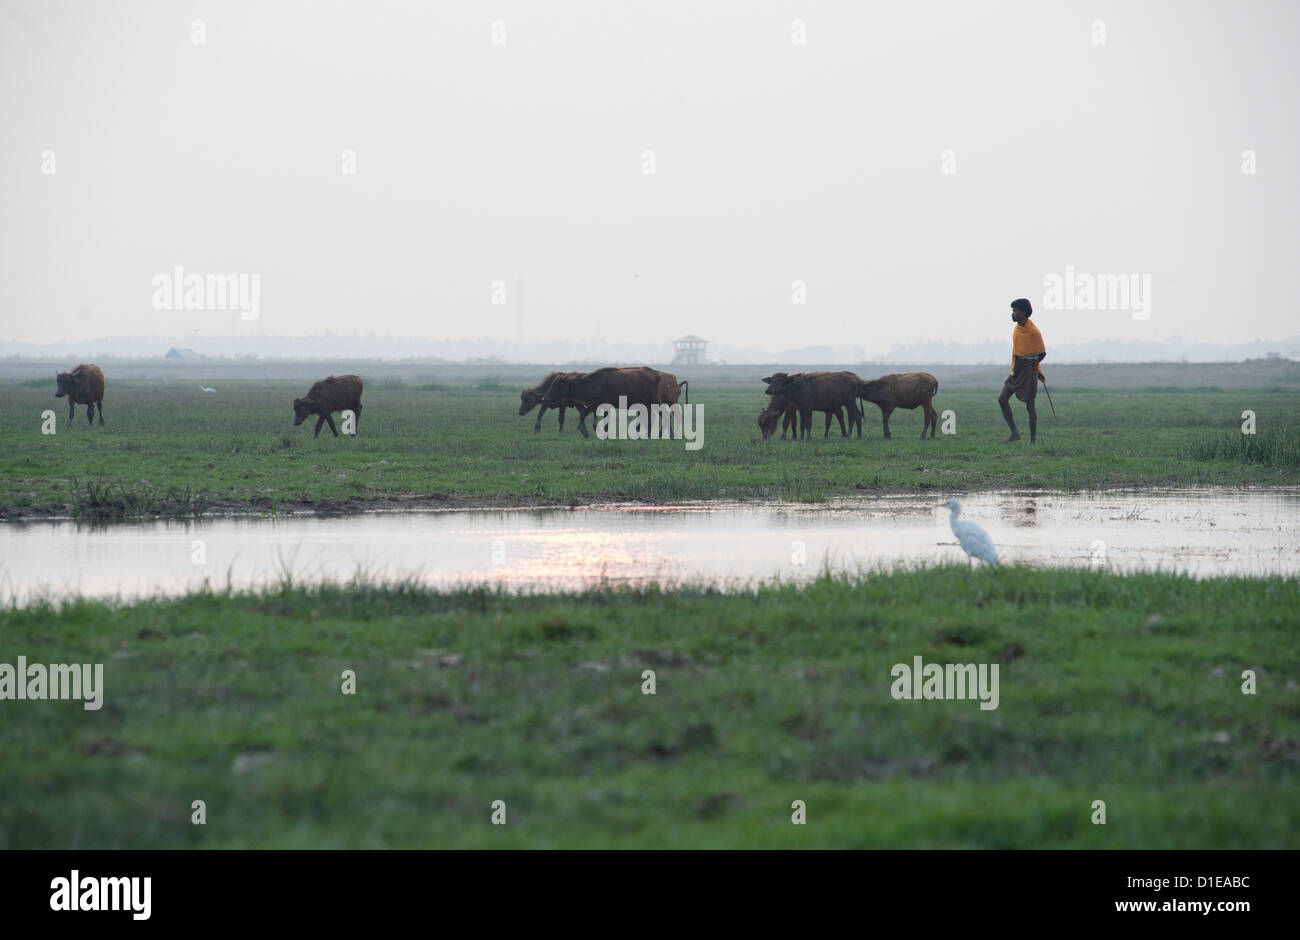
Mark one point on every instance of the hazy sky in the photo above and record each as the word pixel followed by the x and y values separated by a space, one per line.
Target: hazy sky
pixel 522 161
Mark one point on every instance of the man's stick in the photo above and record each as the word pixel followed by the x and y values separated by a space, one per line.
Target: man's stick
pixel 1049 397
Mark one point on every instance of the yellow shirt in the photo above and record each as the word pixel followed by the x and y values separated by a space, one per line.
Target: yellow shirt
pixel 1026 341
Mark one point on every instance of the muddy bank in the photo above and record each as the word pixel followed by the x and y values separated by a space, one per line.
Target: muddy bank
pixel 262 508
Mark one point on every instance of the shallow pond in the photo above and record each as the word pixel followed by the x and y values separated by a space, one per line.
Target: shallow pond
pixel 1202 532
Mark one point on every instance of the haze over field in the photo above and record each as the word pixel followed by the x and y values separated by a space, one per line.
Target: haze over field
pixel 355 348
pixel 396 169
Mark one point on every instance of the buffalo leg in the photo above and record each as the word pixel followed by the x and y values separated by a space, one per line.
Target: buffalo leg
pixel 319 422
pixel 330 418
pixel 356 418
pixel 582 420
pixel 541 410
pixel 839 416
pixel 884 416
pixel 72 409
pixel 101 412
pixel 562 409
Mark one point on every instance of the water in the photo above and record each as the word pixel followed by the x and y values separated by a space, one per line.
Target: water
pixel 1200 532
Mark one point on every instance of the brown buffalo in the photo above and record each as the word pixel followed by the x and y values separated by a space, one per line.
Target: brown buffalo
pixel 530 398
pixel 780 408
pixel 84 385
pixel 640 385
pixel 820 391
pixel 903 390
pixel 787 412
pixel 670 389
pixel 335 393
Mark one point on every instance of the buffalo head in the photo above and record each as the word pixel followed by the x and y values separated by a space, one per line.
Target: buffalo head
pixel 871 390
pixel 529 399
pixel 779 383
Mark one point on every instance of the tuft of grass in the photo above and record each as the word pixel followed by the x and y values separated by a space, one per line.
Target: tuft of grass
pixel 1275 447
pixel 102 500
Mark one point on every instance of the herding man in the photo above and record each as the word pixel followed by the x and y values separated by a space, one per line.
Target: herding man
pixel 1027 351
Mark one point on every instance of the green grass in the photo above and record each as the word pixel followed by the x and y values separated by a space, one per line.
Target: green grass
pixel 1119 688
pixel 1278 447
pixel 176 451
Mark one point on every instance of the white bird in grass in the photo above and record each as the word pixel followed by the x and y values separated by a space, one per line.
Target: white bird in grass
pixel 974 540
pixel 204 388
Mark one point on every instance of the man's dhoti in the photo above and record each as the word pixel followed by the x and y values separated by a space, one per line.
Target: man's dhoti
pixel 1023 383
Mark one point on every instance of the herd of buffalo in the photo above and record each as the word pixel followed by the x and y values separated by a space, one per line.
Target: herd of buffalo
pixel 796 397
pixel 792 397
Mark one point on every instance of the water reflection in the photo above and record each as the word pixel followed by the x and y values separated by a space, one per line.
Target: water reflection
pixel 1202 532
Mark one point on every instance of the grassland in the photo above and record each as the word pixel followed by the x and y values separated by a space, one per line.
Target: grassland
pixel 1125 689
pixel 177 451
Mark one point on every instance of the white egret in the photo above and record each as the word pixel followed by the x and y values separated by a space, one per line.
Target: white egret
pixel 974 540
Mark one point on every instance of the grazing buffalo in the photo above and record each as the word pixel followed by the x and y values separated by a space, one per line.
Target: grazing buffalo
pixel 530 398
pixel 84 385
pixel 904 390
pixel 335 393
pixel 781 409
pixel 820 391
pixel 787 412
pixel 640 385
pixel 670 389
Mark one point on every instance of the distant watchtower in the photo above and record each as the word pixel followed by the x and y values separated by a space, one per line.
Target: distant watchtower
pixel 690 350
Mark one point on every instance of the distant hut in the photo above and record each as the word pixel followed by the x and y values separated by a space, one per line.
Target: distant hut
pixel 690 350
pixel 183 354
